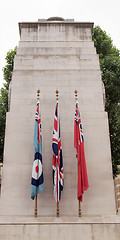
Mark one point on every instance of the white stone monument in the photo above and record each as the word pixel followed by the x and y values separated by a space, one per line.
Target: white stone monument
pixel 57 54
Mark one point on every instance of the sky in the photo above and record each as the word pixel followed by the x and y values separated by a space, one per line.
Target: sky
pixel 105 13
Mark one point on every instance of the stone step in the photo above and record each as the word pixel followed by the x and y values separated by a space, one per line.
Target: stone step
pixel 90 100
pixel 54 228
pixel 36 38
pixel 43 53
pixel 30 79
pixel 57 78
pixel 26 92
pixel 80 72
pixel 56 50
pixel 56 44
pixel 76 74
pixel 26 106
pixel 56 62
pixel 70 57
pixel 18 219
pixel 59 33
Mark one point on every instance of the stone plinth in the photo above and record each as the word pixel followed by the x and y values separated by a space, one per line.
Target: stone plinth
pixel 89 228
pixel 58 55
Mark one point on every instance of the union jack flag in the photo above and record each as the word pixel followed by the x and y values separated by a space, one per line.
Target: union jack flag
pixel 37 180
pixel 58 177
pixel 79 145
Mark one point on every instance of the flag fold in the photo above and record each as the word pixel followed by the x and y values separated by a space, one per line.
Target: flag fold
pixel 79 145
pixel 58 177
pixel 37 181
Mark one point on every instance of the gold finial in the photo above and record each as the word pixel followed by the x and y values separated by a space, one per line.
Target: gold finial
pixel 38 94
pixel 76 94
pixel 57 94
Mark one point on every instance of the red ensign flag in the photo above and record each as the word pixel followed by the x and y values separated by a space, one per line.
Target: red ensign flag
pixel 79 145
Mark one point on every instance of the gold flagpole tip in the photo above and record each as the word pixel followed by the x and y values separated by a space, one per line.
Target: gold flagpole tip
pixel 57 93
pixel 38 94
pixel 76 94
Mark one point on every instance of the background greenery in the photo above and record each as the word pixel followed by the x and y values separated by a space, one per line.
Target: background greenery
pixel 109 57
pixel 7 74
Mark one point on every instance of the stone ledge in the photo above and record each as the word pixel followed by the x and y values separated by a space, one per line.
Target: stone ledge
pixel 70 231
pixel 31 220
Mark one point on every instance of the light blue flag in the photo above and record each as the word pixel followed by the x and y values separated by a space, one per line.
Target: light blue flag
pixel 37 181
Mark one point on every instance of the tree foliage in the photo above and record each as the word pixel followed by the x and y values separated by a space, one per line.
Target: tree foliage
pixel 7 74
pixel 109 57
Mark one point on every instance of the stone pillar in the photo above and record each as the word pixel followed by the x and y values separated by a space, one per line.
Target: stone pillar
pixel 56 54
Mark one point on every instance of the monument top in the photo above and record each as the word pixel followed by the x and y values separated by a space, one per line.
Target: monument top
pixel 55 20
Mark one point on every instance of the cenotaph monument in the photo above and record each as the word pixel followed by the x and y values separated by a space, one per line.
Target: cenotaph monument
pixel 58 54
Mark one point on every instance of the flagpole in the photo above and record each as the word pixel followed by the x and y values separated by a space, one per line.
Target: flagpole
pixel 57 210
pixel 35 212
pixel 57 213
pixel 79 213
pixel 79 209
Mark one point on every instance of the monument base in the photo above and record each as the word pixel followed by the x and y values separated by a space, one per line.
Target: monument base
pixel 85 228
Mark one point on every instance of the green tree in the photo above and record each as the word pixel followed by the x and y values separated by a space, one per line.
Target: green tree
pixel 7 73
pixel 109 57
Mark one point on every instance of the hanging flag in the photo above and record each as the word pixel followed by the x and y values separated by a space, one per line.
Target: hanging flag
pixel 79 145
pixel 37 184
pixel 58 177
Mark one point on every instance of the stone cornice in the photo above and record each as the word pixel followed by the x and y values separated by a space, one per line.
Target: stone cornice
pixel 40 23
